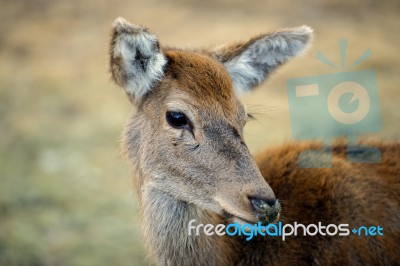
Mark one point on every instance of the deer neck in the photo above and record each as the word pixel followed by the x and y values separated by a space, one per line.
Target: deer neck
pixel 165 223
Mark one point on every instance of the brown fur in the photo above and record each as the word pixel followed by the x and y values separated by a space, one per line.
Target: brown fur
pixel 209 176
pixel 185 68
pixel 357 194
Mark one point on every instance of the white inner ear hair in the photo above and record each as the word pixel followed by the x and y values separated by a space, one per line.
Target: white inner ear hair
pixel 251 67
pixel 143 63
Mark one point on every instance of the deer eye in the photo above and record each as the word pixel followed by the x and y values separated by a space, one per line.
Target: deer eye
pixel 176 119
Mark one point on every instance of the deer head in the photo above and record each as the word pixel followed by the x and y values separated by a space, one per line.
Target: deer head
pixel 185 139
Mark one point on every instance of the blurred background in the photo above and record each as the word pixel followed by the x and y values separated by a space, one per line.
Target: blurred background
pixel 65 192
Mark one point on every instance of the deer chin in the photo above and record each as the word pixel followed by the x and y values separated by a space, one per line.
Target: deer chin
pixel 242 221
pixel 237 214
pixel 257 219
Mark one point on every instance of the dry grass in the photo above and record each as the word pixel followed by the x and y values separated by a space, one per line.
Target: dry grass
pixel 65 194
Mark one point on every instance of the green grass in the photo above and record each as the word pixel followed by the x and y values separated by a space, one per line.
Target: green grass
pixel 65 195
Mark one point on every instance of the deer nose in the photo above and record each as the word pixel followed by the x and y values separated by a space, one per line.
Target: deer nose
pixel 259 204
pixel 267 209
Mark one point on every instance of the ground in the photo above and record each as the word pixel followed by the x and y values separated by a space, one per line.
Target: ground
pixel 66 194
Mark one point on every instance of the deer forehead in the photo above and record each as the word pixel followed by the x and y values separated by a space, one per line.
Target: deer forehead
pixel 198 82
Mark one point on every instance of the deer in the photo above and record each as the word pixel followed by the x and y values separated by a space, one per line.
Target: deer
pixel 184 142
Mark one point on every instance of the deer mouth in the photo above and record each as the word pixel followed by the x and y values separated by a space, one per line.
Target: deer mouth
pixel 267 213
pixel 242 221
pixel 263 218
pixel 255 210
pixel 263 213
pixel 237 218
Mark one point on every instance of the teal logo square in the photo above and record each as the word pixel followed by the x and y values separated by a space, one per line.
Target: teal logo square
pixel 342 104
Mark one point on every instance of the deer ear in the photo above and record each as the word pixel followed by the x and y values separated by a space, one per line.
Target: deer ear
pixel 250 63
pixel 136 61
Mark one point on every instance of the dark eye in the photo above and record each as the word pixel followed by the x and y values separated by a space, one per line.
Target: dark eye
pixel 177 119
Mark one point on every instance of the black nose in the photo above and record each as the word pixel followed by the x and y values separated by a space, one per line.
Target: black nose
pixel 267 209
pixel 259 204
